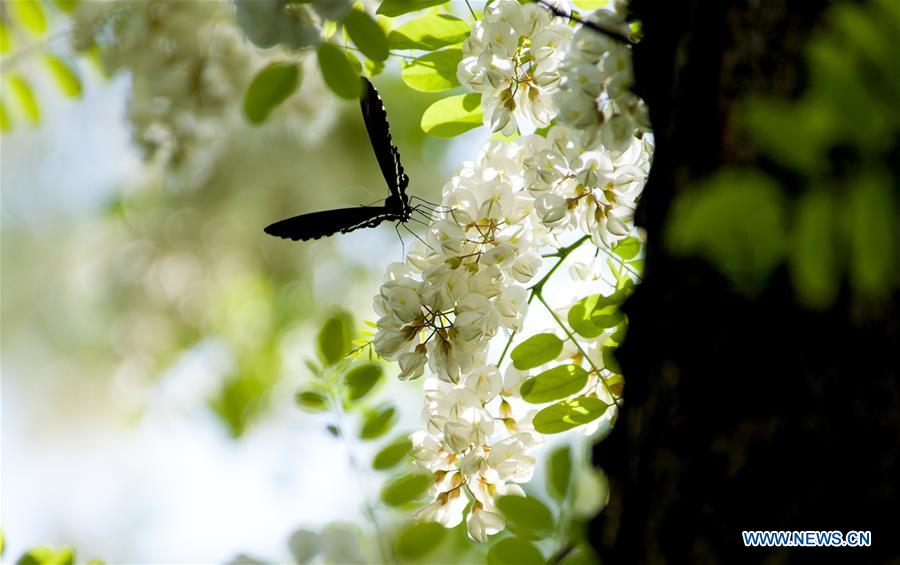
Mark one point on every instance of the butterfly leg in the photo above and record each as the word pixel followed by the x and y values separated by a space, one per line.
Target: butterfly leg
pixel 415 235
pixel 402 243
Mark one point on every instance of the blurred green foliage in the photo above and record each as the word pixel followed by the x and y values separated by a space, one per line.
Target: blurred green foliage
pixel 839 144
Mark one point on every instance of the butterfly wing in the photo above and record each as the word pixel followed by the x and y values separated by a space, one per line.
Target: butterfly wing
pixel 329 222
pixel 386 152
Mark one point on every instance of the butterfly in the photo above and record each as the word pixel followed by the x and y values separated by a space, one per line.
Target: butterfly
pixel 396 206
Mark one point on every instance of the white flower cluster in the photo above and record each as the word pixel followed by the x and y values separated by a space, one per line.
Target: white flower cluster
pixel 594 95
pixel 596 191
pixel 466 282
pixel 512 58
pixel 189 66
pixel 458 288
pixel 477 446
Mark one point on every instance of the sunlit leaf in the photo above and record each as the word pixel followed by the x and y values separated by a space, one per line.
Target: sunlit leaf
pixel 24 98
pixel 378 422
pixel 338 71
pixel 405 489
pixel 593 314
pixel 47 556
pixel 361 379
pixel 451 116
pixel 335 338
pixel 793 134
pixel 559 472
pixel 418 539
pixel 628 248
pixel 514 551
pixel 311 401
pixel 64 74
pixel 569 414
pixel 433 72
pixel 394 8
pixel 536 350
pixel 270 87
pixel 366 34
pixel 304 546
pixel 374 68
pixel 429 32
pixel 392 454
pixel 872 235
pixel 814 250
pixel 553 384
pixel 30 15
pixel 526 515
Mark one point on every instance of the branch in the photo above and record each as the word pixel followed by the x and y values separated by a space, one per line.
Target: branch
pixel 618 36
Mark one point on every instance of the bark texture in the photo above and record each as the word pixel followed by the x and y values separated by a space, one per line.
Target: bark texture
pixel 742 413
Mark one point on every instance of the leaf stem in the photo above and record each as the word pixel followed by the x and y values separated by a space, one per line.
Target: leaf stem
pixel 562 253
pixel 587 358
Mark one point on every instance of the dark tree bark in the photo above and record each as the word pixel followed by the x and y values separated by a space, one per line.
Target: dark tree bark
pixel 742 413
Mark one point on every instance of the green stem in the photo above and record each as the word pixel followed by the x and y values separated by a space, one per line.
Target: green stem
pixel 562 253
pixel 571 336
pixel 387 554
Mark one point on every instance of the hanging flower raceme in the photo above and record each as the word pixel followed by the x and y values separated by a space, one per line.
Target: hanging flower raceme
pixel 472 277
pixel 512 58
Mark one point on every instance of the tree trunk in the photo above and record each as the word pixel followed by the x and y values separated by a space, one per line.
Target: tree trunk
pixel 741 413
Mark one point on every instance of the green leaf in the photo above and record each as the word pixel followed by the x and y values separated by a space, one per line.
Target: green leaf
pixel 2 542
pixel 406 488
pixel 367 35
pixel 590 5
pixel 872 235
pixel 526 515
pixel 6 38
pixel 335 337
pixel 559 472
pixel 64 75
pixel 392 454
pixel 736 220
pixel 814 251
pixel 591 492
pixel 418 539
pixel 338 71
pixel 553 384
pixel 394 8
pixel 304 546
pixel 30 15
pixel 47 556
pixel 569 414
pixel 451 116
pixel 609 360
pixel 311 401
pixel 514 551
pixel 378 422
pixel 536 350
pixel 24 97
pixel 429 32
pixel 374 68
pixel 591 315
pixel 270 87
pixel 5 121
pixel 628 248
pixel 433 72
pixel 361 378
pixel 67 6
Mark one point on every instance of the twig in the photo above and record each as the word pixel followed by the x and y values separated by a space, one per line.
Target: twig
pixel 618 36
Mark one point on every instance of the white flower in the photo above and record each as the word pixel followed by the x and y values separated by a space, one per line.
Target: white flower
pixel 512 58
pixel 412 364
pixel 481 523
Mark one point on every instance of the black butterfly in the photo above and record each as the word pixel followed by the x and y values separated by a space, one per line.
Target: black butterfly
pixel 396 207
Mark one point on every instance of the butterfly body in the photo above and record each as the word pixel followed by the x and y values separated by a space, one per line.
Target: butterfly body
pixel 396 206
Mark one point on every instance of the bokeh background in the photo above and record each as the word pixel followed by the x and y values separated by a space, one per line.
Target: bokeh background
pixel 152 334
